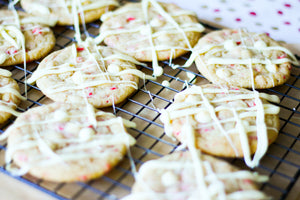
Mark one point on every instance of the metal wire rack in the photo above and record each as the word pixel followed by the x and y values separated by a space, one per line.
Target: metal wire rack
pixel 281 163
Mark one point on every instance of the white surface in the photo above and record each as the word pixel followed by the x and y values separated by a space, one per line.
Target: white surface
pixel 279 18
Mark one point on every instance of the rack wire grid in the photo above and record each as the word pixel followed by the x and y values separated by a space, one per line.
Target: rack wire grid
pixel 281 163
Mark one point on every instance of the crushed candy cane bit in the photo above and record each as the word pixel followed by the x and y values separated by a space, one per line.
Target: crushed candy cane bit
pixel 83 177
pixel 107 166
pixel 161 17
pixel 282 56
pixel 22 158
pixel 61 128
pixel 37 31
pixel 177 133
pixel 79 59
pixel 129 19
pixel 251 137
pixel 248 181
pixel 90 94
pixel 11 52
pixel 207 129
pixel 80 48
pixel 251 104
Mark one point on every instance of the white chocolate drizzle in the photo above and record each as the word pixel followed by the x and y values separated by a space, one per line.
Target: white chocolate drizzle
pixel 210 184
pixel 58 146
pixel 82 80
pixel 197 162
pixel 46 7
pixel 240 112
pixel 148 30
pixel 229 45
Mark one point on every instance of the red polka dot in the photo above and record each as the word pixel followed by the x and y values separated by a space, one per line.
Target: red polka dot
pixel 299 29
pixel 216 10
pixel 238 19
pixel 287 23
pixel 280 12
pixel 287 5
pixel 268 34
pixel 252 13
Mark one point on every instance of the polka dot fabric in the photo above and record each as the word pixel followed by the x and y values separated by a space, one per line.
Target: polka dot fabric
pixel 280 19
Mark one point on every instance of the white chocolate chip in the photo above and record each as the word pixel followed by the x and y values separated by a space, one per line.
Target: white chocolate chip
pixel 164 38
pixel 39 8
pixel 156 22
pixel 224 114
pixel 77 77
pixel 145 30
pixel 271 67
pixel 72 128
pixel 246 124
pixel 61 115
pixel 237 104
pixel 245 53
pixel 86 134
pixel 229 45
pixel 169 178
pixel 113 68
pixel 179 97
pixel 203 117
pixel 223 73
pixel 192 99
pixel 260 44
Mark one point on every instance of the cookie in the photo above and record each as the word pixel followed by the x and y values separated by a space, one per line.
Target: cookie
pixel 224 121
pixel 63 11
pixel 66 142
pixel 28 39
pixel 10 96
pixel 87 72
pixel 244 59
pixel 184 176
pixel 151 31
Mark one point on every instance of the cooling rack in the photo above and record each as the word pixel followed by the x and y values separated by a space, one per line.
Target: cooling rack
pixel 281 163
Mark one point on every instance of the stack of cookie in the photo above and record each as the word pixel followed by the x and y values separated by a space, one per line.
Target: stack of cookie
pixel 223 119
